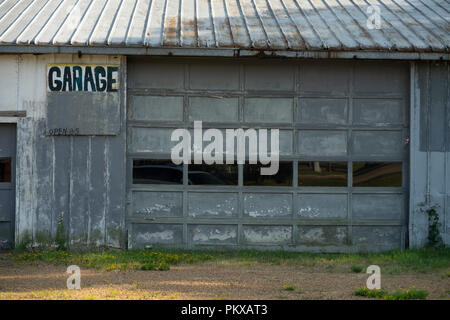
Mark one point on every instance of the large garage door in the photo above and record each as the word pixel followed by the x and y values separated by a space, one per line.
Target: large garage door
pixel 342 182
pixel 7 184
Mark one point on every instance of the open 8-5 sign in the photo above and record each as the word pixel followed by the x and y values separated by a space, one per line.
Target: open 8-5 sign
pixel 87 78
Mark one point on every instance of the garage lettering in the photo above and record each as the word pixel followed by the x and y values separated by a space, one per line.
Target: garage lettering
pixel 67 78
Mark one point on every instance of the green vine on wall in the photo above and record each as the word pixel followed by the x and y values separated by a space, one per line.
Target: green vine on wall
pixel 61 240
pixel 434 236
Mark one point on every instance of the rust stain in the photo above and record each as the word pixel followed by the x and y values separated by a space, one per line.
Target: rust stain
pixel 188 31
pixel 171 28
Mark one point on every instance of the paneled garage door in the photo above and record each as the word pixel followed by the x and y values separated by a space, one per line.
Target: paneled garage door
pixel 342 182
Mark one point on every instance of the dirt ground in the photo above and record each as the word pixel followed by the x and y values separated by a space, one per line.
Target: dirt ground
pixel 202 281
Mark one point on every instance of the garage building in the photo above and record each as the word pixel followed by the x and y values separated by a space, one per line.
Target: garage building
pixel 91 92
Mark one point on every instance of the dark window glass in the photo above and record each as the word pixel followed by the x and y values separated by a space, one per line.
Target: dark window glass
pixel 253 177
pixel 5 170
pixel 322 174
pixel 215 174
pixel 377 174
pixel 157 172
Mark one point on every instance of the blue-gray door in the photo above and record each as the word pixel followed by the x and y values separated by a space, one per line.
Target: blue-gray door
pixel 7 184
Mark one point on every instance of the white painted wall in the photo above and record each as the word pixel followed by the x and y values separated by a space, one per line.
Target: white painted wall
pixel 430 170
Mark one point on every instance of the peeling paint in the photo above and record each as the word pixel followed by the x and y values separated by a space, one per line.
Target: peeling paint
pixel 201 235
pixel 267 234
pixel 155 236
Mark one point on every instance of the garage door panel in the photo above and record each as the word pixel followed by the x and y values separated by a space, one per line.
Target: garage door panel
pixel 378 143
pixel 268 110
pixel 322 235
pixel 267 205
pixel 378 112
pixel 213 109
pixel 322 206
pixel 381 78
pixel 155 140
pixel 157 204
pixel 147 234
pixel 375 238
pixel 214 76
pixel 156 75
pixel 213 205
pixel 377 206
pixel 285 142
pixel 285 147
pixel 322 111
pixel 266 235
pixel 322 143
pixel 269 77
pixel 213 234
pixel 328 78
pixel 157 108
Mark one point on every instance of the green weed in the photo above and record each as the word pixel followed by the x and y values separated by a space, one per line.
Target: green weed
pixel 288 287
pixel 409 294
pixel 357 269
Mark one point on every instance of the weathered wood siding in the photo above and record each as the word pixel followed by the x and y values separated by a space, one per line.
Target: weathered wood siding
pixel 81 178
pixel 430 148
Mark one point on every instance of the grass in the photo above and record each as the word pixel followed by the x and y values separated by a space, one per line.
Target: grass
pixel 89 294
pixel 113 260
pixel 357 269
pixel 409 294
pixel 425 260
pixel 288 287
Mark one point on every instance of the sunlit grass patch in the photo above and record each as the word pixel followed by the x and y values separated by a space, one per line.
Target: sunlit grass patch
pixel 113 260
pixel 408 294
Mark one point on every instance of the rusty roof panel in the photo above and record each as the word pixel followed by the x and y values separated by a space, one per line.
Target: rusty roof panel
pixel 291 25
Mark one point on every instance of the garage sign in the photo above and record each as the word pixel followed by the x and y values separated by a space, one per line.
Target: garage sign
pixel 82 78
pixel 83 99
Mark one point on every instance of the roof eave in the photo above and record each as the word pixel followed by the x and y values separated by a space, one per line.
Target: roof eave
pixel 226 52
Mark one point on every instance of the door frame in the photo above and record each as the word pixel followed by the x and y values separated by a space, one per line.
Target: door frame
pixel 13 184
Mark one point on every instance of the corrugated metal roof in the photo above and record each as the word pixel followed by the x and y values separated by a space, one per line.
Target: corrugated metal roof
pixel 298 25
